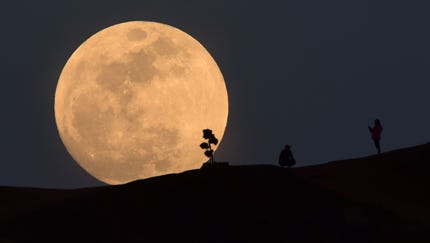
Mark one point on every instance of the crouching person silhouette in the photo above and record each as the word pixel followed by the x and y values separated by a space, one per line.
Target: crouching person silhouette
pixel 286 157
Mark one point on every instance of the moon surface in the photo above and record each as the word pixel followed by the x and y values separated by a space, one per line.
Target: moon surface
pixel 132 101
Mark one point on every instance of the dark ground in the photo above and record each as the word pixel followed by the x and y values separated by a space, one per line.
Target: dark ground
pixel 383 198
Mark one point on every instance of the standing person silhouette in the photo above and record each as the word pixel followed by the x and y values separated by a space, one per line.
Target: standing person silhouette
pixel 286 157
pixel 376 134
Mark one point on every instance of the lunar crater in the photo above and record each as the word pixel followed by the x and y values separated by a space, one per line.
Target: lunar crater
pixel 136 34
pixel 164 46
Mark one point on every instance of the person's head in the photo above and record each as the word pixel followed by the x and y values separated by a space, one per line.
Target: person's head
pixel 287 146
pixel 377 122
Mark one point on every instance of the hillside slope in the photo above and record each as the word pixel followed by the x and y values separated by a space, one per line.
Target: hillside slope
pixel 398 180
pixel 374 199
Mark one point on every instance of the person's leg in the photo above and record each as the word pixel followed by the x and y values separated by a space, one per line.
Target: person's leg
pixel 377 145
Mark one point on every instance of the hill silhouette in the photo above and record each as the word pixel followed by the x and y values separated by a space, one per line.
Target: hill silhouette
pixel 381 198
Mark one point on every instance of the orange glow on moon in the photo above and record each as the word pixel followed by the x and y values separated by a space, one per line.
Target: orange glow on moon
pixel 132 101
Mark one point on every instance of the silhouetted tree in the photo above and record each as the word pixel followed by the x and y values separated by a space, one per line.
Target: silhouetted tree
pixel 209 152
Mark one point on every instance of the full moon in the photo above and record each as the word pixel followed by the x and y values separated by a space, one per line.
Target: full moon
pixel 131 102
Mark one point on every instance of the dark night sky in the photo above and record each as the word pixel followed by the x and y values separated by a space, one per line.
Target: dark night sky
pixel 310 73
